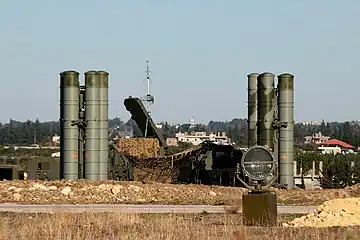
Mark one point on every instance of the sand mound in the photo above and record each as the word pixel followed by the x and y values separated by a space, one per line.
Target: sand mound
pixel 337 212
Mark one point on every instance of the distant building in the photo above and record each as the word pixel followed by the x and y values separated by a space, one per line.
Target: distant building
pixel 311 123
pixel 33 146
pixel 197 138
pixel 316 138
pixel 56 154
pixel 56 139
pixel 334 146
pixel 127 132
pixel 172 142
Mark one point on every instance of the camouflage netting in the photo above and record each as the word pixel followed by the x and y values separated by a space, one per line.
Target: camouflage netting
pixel 148 166
pixel 163 170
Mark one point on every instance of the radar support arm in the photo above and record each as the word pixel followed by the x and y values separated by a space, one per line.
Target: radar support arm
pixel 257 187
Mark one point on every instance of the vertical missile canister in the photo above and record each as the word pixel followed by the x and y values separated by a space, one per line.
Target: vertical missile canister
pixel 286 135
pixel 266 95
pixel 92 112
pixel 81 132
pixel 252 109
pixel 69 134
pixel 104 125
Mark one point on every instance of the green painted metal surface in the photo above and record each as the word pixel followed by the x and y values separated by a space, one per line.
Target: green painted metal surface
pixel 120 168
pixel 266 108
pixel 103 126
pixel 69 111
pixel 252 109
pixel 92 116
pixel 286 135
pixel 260 209
pixel 81 133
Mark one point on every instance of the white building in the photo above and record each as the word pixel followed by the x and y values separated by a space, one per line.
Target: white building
pixel 316 138
pixel 334 146
pixel 312 123
pixel 56 139
pixel 197 138
pixel 56 154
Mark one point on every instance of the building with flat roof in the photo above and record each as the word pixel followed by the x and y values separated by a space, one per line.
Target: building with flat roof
pixel 197 138
pixel 316 138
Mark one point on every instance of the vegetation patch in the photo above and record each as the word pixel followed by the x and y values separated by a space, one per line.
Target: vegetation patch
pixel 91 226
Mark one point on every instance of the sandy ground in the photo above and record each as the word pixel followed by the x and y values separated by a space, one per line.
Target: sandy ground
pixel 84 191
pixel 333 213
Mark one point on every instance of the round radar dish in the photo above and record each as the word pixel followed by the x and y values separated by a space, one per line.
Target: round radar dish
pixel 258 163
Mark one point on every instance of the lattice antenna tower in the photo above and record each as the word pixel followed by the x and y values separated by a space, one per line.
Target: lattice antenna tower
pixel 149 99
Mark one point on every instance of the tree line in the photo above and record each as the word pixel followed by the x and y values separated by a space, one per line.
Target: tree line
pixel 339 171
pixel 30 132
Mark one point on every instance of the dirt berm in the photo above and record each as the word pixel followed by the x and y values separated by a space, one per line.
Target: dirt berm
pixel 337 212
pixel 84 191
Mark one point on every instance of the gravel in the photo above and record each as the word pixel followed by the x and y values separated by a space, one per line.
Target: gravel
pixel 137 192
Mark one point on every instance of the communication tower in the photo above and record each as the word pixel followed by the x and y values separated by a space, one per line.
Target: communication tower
pixel 148 99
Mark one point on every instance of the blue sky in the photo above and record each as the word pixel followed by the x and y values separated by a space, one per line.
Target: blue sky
pixel 199 51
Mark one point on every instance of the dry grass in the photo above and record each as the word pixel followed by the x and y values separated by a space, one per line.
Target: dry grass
pixel 146 226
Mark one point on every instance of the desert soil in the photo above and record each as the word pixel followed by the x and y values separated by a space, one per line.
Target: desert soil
pixel 333 213
pixel 84 191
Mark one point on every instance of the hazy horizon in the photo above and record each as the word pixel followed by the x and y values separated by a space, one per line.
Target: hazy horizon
pixel 200 53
